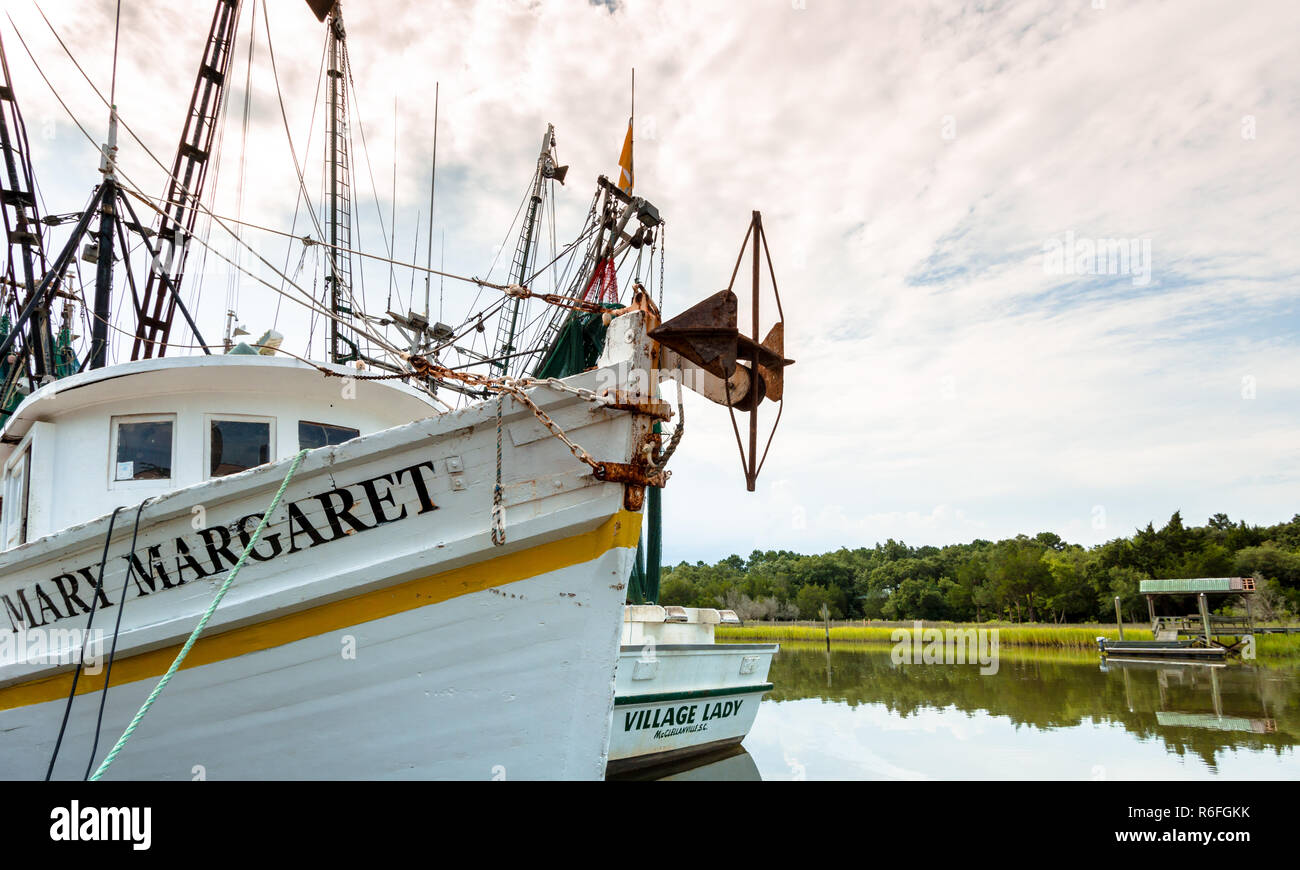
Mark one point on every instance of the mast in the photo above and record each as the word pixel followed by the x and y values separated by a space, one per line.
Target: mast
pixel 509 322
pixel 21 219
pixel 104 249
pixel 158 304
pixel 339 214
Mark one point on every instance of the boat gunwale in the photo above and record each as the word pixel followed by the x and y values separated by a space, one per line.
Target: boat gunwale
pixel 701 647
pixel 692 694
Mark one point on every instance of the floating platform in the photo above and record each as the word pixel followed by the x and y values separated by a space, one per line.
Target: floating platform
pixel 1161 648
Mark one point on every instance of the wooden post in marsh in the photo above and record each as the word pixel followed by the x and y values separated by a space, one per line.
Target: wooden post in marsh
pixel 1119 620
pixel 1205 617
pixel 826 620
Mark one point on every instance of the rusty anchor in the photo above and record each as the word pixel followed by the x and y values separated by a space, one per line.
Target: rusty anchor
pixel 727 366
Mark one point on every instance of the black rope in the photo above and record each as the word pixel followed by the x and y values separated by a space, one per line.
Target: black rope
pixel 117 630
pixel 90 619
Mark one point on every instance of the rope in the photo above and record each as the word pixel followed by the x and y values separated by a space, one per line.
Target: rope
pixel 81 660
pixel 203 622
pixel 679 429
pixel 117 630
pixel 498 508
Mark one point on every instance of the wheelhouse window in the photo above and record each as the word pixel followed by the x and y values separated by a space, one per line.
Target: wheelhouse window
pixel 313 435
pixel 16 492
pixel 142 448
pixel 238 444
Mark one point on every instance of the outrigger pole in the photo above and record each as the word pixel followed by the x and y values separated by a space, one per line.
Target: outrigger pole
pixel 104 253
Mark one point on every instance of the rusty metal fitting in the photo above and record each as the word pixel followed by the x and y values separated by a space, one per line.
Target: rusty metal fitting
pixel 622 400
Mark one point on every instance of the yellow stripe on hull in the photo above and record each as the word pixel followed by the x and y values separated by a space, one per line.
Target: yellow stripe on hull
pixel 621 530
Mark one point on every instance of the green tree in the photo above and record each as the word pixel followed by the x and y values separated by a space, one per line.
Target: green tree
pixel 810 600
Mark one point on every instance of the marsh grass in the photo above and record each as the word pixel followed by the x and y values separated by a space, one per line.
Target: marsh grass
pixel 1278 648
pixel 1274 647
pixel 1069 637
pixel 1019 654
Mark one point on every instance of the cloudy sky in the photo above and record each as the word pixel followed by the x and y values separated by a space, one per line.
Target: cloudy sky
pixel 934 179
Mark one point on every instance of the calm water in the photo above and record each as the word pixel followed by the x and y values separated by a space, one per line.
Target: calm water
pixel 856 715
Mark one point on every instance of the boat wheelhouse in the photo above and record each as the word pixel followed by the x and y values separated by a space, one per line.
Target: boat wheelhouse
pixel 78 447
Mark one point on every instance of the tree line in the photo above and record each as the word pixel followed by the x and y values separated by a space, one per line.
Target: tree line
pixel 1022 579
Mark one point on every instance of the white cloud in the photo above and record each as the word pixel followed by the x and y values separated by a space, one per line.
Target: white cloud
pixel 946 387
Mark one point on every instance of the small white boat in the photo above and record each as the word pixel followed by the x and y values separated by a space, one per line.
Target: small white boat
pixel 679 694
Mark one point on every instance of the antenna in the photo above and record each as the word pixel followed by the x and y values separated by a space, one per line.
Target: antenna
pixel 433 181
pixel 631 129
pixel 392 214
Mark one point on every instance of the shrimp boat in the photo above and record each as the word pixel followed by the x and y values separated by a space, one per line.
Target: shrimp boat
pixel 246 564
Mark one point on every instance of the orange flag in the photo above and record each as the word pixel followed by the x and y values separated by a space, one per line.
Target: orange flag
pixel 625 176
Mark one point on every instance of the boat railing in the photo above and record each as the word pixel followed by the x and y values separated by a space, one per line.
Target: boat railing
pixel 1231 625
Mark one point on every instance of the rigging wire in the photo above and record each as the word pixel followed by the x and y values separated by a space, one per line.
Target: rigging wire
pixel 333 372
pixel 146 200
pixel 308 241
pixel 353 91
pixel 232 285
pixel 354 227
pixel 299 195
pixel 415 252
pixel 284 115
pixel 505 241
pixel 312 305
pixel 392 204
pixel 433 186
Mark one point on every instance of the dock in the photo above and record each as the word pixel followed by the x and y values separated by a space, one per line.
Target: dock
pixel 1197 636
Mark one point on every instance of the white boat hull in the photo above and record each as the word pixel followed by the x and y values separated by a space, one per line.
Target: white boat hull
pixel 482 686
pixel 676 700
pixel 378 634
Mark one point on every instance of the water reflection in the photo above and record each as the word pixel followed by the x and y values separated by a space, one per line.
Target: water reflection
pixel 732 764
pixel 853 713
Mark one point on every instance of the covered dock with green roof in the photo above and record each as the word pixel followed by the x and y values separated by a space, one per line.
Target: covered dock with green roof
pixel 1202 624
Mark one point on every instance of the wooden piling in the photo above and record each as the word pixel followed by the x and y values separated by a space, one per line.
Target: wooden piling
pixel 1205 617
pixel 1119 620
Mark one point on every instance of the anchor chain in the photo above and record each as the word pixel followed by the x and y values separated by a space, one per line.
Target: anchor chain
pixel 498 507
pixel 642 472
